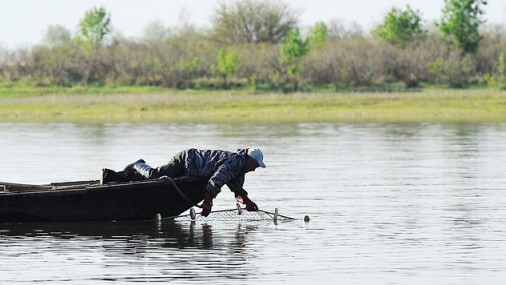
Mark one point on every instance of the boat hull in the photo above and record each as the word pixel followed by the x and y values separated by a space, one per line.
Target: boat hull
pixel 92 202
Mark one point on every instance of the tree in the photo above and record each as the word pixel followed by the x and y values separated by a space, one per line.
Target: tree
pixel 293 46
pixel 57 35
pixel 95 26
pixel 250 21
pixel 156 32
pixel 292 49
pixel 461 22
pixel 339 29
pixel 227 63
pixel 93 29
pixel 401 26
pixel 318 34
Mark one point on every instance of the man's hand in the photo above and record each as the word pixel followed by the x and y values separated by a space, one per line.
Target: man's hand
pixel 250 205
pixel 206 209
pixel 207 205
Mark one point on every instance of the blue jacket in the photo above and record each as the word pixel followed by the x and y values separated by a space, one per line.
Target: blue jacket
pixel 223 167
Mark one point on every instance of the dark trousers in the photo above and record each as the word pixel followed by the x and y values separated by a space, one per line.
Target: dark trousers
pixel 175 168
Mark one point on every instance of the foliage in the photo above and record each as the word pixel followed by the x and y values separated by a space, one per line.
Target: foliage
pixel 456 70
pixel 355 63
pixel 339 29
pixel 499 80
pixel 325 56
pixel 292 49
pixel 318 34
pixel 227 63
pixel 293 46
pixel 155 32
pixel 95 26
pixel 501 68
pixel 401 27
pixel 251 21
pixel 461 22
pixel 57 35
pixel 192 61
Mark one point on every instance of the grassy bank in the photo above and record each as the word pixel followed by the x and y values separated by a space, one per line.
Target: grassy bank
pixel 157 105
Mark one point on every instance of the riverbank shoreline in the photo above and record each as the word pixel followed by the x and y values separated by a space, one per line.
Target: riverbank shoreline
pixel 157 106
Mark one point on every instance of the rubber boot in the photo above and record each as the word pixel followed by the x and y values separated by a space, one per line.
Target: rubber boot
pixel 108 175
pixel 144 170
pixel 129 175
pixel 131 165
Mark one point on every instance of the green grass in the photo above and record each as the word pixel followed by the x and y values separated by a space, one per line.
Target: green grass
pixel 144 104
pixel 17 89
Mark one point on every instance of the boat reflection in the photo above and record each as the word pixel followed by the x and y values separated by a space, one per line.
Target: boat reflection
pixel 136 236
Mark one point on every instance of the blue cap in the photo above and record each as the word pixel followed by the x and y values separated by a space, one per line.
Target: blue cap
pixel 258 155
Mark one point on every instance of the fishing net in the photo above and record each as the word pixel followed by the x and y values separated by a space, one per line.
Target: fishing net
pixel 238 214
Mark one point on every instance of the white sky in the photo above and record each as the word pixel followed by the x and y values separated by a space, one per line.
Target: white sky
pixel 24 22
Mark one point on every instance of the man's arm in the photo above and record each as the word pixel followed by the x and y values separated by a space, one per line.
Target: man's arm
pixel 241 195
pixel 223 175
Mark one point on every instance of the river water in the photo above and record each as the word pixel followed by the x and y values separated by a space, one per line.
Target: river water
pixel 388 204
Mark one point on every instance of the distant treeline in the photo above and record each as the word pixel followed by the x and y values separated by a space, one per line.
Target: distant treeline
pixel 262 52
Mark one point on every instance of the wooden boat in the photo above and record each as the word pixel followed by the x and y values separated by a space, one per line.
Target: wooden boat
pixel 90 201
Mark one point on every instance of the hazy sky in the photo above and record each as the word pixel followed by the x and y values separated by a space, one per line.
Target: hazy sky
pixel 24 22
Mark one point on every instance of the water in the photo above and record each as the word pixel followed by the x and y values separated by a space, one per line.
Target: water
pixel 389 204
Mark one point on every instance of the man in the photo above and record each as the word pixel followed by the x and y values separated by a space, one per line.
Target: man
pixel 223 167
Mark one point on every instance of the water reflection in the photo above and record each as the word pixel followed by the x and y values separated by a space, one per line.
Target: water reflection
pixel 134 236
pixel 145 251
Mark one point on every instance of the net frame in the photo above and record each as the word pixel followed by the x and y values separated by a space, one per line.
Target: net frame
pixel 239 214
